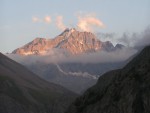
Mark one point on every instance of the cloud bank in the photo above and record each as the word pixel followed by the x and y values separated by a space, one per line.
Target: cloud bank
pixel 58 56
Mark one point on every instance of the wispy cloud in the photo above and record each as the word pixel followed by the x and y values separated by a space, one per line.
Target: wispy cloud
pixel 89 22
pixel 46 19
pixel 136 40
pixel 143 38
pixel 36 19
pixel 59 23
pixel 86 22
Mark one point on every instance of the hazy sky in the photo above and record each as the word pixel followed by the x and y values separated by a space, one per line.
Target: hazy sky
pixel 23 20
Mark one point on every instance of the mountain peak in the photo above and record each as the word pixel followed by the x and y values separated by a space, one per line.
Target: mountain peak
pixel 71 40
pixel 73 29
pixel 67 30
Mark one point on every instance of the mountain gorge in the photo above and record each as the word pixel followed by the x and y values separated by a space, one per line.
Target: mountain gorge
pixel 124 90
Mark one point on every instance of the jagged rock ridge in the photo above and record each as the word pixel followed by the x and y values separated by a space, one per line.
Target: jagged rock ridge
pixel 71 40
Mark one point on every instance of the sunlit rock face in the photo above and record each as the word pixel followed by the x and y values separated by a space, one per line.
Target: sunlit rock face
pixel 71 40
pixel 37 46
pixel 78 42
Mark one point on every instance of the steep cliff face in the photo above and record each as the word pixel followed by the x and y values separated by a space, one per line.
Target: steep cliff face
pixel 71 40
pixel 21 91
pixel 126 90
pixel 78 42
pixel 37 46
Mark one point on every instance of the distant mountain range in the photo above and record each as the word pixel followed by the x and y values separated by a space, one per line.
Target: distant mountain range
pixel 21 91
pixel 71 41
pixel 125 90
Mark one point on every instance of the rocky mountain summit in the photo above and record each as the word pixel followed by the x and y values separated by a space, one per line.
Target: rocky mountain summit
pixel 125 90
pixel 71 40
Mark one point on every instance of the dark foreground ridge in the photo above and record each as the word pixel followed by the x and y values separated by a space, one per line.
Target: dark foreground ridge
pixel 126 90
pixel 21 91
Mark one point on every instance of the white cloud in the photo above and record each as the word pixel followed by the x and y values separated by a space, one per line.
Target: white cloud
pixel 89 22
pixel 59 23
pixel 85 22
pixel 47 19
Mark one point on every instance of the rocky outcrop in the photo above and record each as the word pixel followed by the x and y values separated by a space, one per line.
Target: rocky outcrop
pixel 120 91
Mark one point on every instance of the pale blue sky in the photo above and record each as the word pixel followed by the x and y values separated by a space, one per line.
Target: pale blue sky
pixel 17 27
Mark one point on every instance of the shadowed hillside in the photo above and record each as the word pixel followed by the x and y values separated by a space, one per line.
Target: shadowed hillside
pixel 126 90
pixel 21 91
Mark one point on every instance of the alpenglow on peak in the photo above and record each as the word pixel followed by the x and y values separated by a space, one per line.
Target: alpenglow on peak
pixel 70 40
